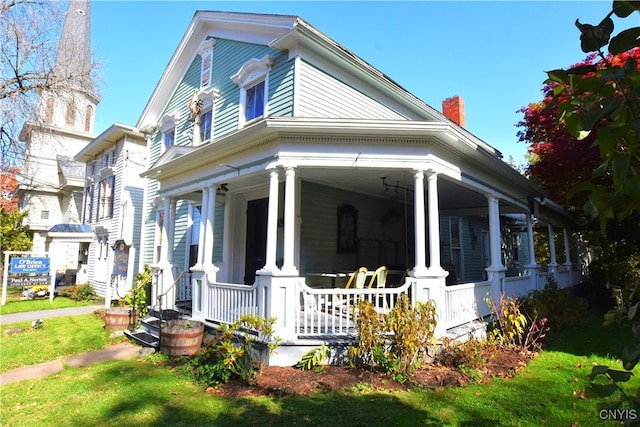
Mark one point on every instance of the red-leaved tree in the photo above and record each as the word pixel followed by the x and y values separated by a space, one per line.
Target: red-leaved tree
pixel 558 161
pixel 8 185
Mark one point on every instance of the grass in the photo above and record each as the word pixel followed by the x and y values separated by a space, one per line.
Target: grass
pixel 54 338
pixel 15 305
pixel 549 391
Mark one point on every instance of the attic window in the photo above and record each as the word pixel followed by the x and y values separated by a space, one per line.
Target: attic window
pixel 253 80
pixel 206 54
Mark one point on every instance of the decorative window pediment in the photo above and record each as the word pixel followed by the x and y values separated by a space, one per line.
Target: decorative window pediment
pixel 167 126
pixel 168 121
pixel 253 71
pixel 253 80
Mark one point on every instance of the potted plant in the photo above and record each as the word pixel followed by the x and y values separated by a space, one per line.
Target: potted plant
pixel 133 306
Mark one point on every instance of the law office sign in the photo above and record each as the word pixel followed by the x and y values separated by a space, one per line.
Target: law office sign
pixel 29 265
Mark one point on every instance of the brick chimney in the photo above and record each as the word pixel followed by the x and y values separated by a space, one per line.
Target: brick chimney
pixel 453 108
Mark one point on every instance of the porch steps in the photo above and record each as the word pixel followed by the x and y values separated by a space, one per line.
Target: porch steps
pixel 148 334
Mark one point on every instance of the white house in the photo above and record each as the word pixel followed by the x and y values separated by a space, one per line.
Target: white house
pixel 112 208
pixel 280 160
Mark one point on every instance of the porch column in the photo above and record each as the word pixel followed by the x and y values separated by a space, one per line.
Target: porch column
pixel 496 270
pixel 420 268
pixel 434 226
pixel 164 247
pixel 429 283
pixel 532 267
pixel 494 234
pixel 203 225
pixel 272 224
pixel 288 267
pixel 553 265
pixel 167 292
pixel 208 235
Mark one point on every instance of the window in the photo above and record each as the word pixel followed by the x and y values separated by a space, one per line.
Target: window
pixel 48 115
pixel 169 138
pixel 206 54
pixel 253 80
pixel 167 126
pixel 205 125
pixel 109 158
pixel 254 105
pixel 88 115
pixel 105 207
pixel 70 116
pixel 88 204
pixel 205 101
pixel 44 214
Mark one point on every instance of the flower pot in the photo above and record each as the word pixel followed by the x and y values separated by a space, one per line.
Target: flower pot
pixel 181 337
pixel 120 318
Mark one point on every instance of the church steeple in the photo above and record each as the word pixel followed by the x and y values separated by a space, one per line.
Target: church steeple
pixel 73 59
pixel 73 104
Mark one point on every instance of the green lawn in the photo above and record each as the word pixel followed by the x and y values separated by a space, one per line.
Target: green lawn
pixel 139 392
pixel 16 305
pixel 54 338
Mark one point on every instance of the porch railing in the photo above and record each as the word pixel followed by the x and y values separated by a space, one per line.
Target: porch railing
pixel 518 286
pixel 226 302
pixel 183 288
pixel 466 302
pixel 323 312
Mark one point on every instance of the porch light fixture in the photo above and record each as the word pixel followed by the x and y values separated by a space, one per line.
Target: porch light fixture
pixel 222 188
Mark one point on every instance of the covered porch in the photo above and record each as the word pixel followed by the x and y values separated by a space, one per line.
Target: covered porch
pixel 259 231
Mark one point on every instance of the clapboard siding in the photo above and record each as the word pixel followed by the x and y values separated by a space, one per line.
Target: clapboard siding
pixel 471 242
pixel 228 57
pixel 321 95
pixel 319 230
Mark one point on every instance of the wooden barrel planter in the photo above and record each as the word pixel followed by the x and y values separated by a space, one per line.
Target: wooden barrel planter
pixel 119 318
pixel 181 337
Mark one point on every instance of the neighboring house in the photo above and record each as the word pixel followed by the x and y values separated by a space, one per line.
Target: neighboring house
pixel 280 159
pixel 51 185
pixel 112 209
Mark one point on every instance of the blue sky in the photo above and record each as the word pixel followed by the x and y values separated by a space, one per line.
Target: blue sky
pixel 492 54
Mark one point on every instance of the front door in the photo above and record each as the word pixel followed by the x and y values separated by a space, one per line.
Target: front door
pixel 256 245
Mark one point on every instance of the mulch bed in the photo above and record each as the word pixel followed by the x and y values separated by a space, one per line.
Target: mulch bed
pixel 290 381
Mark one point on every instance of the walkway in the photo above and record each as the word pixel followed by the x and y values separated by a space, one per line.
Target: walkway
pixel 121 351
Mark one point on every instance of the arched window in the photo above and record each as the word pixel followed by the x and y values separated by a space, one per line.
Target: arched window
pixel 48 113
pixel 70 115
pixel 88 116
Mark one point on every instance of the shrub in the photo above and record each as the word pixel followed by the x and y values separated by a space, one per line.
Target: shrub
pixel 313 358
pixel 456 354
pixel 508 326
pixel 397 341
pixel 560 307
pixel 235 350
pixel 83 292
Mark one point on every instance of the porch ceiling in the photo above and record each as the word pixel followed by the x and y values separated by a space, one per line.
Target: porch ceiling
pixel 451 196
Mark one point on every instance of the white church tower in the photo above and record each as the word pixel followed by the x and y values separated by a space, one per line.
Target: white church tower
pixel 52 187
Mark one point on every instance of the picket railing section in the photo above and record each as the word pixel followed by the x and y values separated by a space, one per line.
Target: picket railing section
pixel 334 312
pixel 183 287
pixel 465 302
pixel 226 302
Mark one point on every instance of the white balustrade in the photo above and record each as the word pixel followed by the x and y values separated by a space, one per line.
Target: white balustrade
pixel 466 302
pixel 227 302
